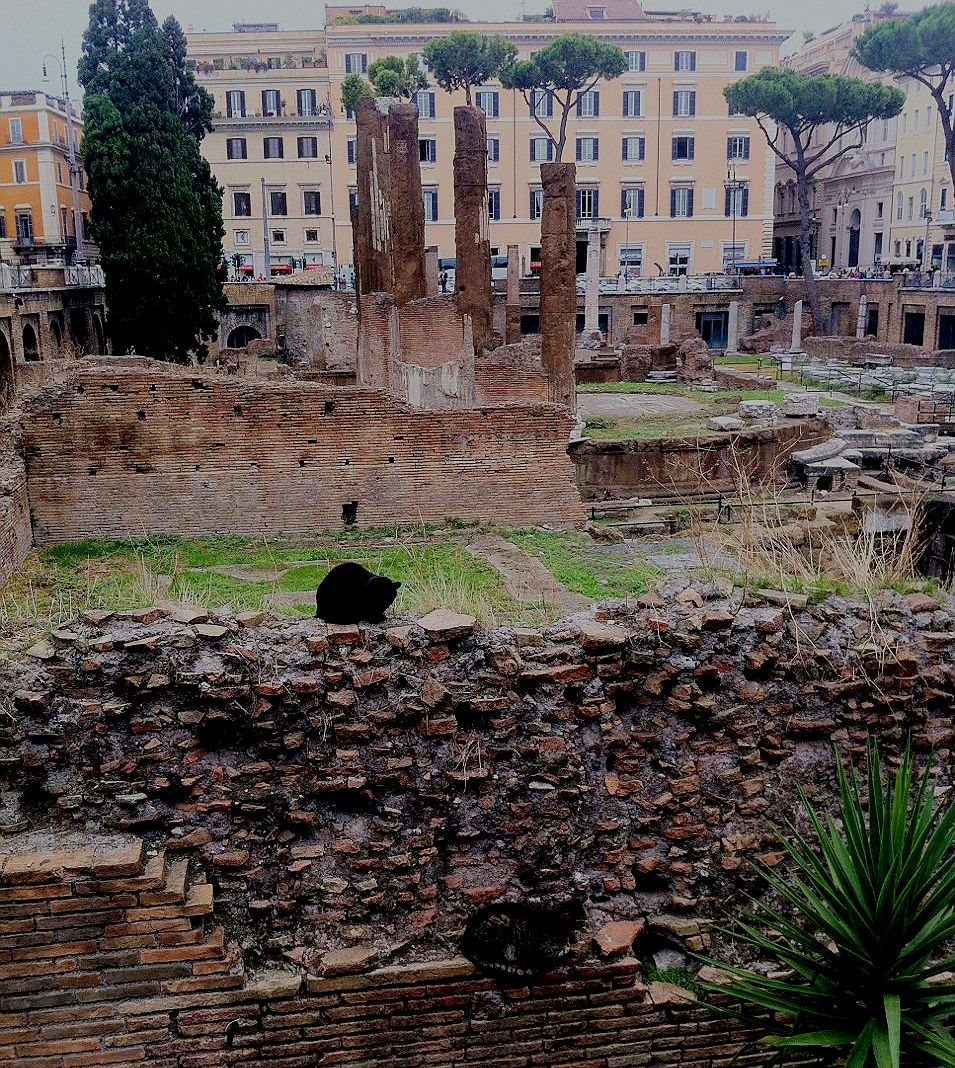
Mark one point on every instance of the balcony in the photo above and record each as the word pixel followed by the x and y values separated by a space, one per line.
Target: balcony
pixel 255 120
pixel 693 283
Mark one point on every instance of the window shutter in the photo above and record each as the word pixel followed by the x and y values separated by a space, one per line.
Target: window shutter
pixel 729 147
pixel 623 202
pixel 689 147
pixel 745 148
pixel 596 102
pixel 532 151
pixel 673 203
pixel 596 148
pixel 494 105
pixel 533 204
pixel 673 149
pixel 689 203
pixel 676 60
pixel 676 102
pixel 579 146
pixel 550 150
pixel 579 205
pixel 728 210
pixel 640 203
pixel 692 61
pixel 641 148
pixel 625 149
pixel 596 203
pixel 693 102
pixel 744 206
pixel 580 105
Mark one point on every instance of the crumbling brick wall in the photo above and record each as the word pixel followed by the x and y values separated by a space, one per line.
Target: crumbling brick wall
pixel 347 796
pixel 167 450
pixel 16 532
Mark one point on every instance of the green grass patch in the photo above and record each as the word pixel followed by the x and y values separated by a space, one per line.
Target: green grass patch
pixel 681 977
pixel 585 568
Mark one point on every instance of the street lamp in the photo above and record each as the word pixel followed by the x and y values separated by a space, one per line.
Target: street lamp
pixel 70 151
pixel 733 185
pixel 926 253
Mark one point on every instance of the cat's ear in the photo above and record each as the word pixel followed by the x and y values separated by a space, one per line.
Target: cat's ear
pixel 396 584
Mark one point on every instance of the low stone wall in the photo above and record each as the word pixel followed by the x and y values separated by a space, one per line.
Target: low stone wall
pixel 854 350
pixel 727 378
pixel 685 467
pixel 175 450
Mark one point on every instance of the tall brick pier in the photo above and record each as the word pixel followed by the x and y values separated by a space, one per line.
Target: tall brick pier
pixel 472 227
pixel 558 302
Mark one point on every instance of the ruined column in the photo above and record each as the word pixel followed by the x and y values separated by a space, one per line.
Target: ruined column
pixel 389 215
pixel 796 345
pixel 472 229
pixel 666 311
pixel 592 288
pixel 513 305
pixel 558 300
pixel 861 317
pixel 732 328
pixel 431 269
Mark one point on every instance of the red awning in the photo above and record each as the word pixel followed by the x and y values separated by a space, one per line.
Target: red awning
pixel 280 268
pixel 247 268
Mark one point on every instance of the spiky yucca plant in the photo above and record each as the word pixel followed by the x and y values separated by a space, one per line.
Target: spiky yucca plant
pixel 862 935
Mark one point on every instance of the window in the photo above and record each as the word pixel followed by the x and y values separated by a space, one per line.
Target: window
pixel 923 203
pixel 351 148
pixel 424 98
pixel 587 204
pixel 24 224
pixel 877 247
pixel 240 237
pixel 631 259
pixel 911 208
pixel 633 148
pixel 307 102
pixel 879 208
pixel 537 203
pixel 678 258
pixel 277 203
pixel 278 237
pixel 494 203
pixel 308 148
pixel 542 150
pixel 631 203
pixel 16 132
pixel 235 103
pixel 912 171
pixel 684 61
pixel 737 202
pixel 915 120
pixel 236 148
pixel 924 163
pixel 352 200
pixel 905 120
pixel 312 202
pixel 684 102
pixel 430 198
pixel 595 14
pixel 587 149
pixel 487 101
pixel 493 150
pixel 732 109
pixel 898 208
pixel 274 63
pixel 542 103
pixel 311 235
pixel 681 202
pixel 427 149
pixel 273 147
pixel 943 200
pixel 740 61
pixel 682 148
pixel 356 62
pixel 3 223
pixel 636 60
pixel 588 104
pixel 241 203
pixel 898 248
pixel 19 171
pixel 733 254
pixel 271 102
pixel 631 102
pixel 737 148
pixel 885 129
pixel 835 216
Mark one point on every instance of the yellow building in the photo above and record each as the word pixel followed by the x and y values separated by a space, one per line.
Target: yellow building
pixel 655 149
pixel 36 205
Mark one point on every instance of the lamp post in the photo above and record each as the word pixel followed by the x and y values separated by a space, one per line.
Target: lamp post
pixel 926 252
pixel 733 185
pixel 79 256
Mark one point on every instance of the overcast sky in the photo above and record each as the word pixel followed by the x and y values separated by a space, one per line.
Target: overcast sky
pixel 30 28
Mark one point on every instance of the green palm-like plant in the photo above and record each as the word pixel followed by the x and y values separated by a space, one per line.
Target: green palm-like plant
pixel 861 937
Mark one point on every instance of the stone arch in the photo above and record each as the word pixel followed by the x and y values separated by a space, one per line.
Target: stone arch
pixel 99 335
pixel 79 329
pixel 31 345
pixel 241 336
pixel 7 385
pixel 56 337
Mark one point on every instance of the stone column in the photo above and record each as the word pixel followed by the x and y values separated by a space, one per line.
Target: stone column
pixel 592 290
pixel 732 328
pixel 796 345
pixel 472 237
pixel 389 215
pixel 512 332
pixel 558 301
pixel 666 311
pixel 431 269
pixel 861 317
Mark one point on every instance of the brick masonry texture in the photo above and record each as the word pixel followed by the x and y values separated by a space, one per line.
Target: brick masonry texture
pixel 162 450
pixel 472 232
pixel 16 535
pixel 257 842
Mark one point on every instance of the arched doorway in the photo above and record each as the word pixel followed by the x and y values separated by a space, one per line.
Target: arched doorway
pixel 56 337
pixel 855 222
pixel 6 373
pixel 241 336
pixel 31 347
pixel 100 338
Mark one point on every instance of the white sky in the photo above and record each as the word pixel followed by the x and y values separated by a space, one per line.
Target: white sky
pixel 30 28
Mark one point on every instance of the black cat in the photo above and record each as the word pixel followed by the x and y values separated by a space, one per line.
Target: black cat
pixel 521 941
pixel 350 593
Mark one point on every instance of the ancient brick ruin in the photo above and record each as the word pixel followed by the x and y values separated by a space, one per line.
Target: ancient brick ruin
pixel 240 841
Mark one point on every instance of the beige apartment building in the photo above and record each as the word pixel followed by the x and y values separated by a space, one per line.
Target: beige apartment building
pixel 673 182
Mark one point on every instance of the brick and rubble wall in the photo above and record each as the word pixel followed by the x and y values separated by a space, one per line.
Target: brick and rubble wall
pixel 16 530
pixel 323 807
pixel 166 450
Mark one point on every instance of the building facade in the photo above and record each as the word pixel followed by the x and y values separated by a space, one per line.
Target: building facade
pixel 673 183
pixel 37 222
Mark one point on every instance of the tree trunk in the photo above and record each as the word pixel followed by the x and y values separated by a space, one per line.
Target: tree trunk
pixel 467 93
pixel 948 132
pixel 563 131
pixel 805 224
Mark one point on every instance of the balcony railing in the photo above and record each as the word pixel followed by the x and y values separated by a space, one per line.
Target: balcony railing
pixel 12 277
pixel 82 274
pixel 693 283
pixel 930 280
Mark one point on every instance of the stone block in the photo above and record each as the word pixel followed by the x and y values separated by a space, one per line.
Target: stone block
pixel 757 411
pixel 442 625
pixel 801 404
pixel 725 423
